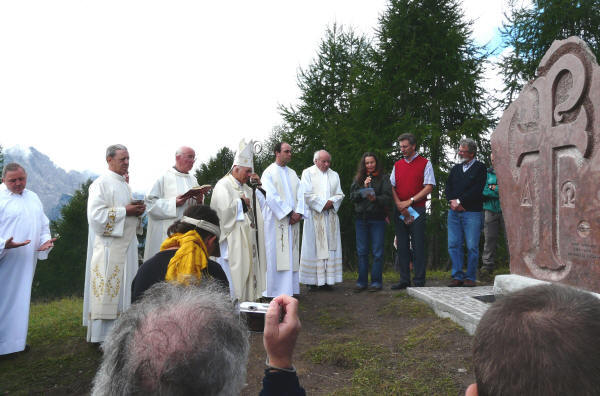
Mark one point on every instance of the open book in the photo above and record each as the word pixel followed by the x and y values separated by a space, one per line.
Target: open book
pixel 196 191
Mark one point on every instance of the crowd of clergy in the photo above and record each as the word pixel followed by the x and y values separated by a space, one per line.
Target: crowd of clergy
pixel 256 231
pixel 251 230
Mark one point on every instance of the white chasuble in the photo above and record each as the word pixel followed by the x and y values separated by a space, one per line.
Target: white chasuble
pixel 112 255
pixel 321 257
pixel 282 240
pixel 161 208
pixel 22 218
pixel 242 239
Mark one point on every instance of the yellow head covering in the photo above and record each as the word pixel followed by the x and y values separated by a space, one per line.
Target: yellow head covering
pixel 190 259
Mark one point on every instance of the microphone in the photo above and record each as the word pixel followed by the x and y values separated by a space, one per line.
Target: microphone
pixel 369 175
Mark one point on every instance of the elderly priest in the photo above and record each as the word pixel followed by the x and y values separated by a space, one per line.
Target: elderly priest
pixel 321 257
pixel 169 197
pixel 24 238
pixel 242 237
pixel 112 246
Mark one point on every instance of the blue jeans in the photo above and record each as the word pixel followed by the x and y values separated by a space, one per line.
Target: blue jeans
pixel 467 224
pixel 372 231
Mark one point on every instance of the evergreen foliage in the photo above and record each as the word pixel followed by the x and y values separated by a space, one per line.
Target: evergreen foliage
pixel 430 84
pixel 63 273
pixel 531 29
pixel 214 169
pixel 328 115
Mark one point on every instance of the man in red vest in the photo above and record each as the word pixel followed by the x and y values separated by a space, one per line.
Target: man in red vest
pixel 413 180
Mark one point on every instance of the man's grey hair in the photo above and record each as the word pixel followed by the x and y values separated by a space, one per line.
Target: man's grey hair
pixel 11 167
pixel 177 340
pixel 542 340
pixel 318 153
pixel 111 151
pixel 470 144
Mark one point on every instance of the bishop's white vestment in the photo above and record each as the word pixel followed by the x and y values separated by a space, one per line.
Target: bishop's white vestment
pixel 242 247
pixel 321 257
pixel 161 208
pixel 21 217
pixel 282 240
pixel 112 258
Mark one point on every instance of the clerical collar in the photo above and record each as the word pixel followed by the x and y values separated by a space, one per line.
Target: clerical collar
pixel 236 180
pixel 178 171
pixel 3 187
pixel 281 166
pixel 115 174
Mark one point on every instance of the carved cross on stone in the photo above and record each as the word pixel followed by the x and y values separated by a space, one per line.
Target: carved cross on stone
pixel 548 168
pixel 552 135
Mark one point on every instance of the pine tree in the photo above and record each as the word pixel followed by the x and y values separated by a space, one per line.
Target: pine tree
pixel 430 84
pixel 531 29
pixel 63 273
pixel 325 118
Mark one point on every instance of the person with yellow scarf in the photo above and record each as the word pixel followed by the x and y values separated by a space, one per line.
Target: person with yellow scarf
pixel 184 255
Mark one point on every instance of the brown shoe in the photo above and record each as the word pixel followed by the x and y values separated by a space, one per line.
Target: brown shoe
pixel 469 283
pixel 455 283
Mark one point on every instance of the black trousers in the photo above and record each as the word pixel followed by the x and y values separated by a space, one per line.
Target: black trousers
pixel 405 234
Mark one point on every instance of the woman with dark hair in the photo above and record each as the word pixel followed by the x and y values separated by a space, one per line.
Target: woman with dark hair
pixel 184 255
pixel 371 193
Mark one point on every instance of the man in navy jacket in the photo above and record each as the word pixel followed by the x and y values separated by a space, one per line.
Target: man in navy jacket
pixel 464 194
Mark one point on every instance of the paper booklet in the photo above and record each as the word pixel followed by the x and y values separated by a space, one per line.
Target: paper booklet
pixel 413 215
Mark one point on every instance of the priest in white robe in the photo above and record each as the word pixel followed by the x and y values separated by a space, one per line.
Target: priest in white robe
pixel 24 238
pixel 283 211
pixel 112 250
pixel 242 236
pixel 321 257
pixel 166 201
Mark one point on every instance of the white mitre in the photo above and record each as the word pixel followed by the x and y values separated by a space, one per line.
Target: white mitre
pixel 245 154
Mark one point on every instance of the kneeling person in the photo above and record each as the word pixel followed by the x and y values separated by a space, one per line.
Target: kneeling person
pixel 184 255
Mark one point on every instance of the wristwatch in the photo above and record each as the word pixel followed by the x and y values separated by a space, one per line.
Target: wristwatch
pixel 458 201
pixel 412 200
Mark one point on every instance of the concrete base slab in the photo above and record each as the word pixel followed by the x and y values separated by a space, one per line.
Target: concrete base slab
pixel 504 284
pixel 455 303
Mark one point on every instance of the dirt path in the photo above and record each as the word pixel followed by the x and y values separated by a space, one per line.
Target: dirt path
pixel 372 343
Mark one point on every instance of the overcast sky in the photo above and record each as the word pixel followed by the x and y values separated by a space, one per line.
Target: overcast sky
pixel 77 76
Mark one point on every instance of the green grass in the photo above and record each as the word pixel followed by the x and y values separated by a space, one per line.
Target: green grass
pixel 392 276
pixel 60 361
pixel 345 354
pixel 379 371
pixel 403 305
pixel 330 322
pixel 410 367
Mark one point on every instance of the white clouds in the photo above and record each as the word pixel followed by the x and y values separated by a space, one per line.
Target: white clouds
pixel 487 16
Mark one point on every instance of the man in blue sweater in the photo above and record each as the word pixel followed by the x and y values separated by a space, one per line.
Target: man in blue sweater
pixel 464 194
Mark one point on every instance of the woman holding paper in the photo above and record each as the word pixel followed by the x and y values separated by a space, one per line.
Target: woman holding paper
pixel 371 193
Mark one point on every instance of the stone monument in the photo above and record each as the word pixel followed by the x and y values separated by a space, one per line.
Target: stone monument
pixel 547 160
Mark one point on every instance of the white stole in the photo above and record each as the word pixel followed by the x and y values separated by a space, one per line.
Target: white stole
pixel 325 231
pixel 283 226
